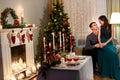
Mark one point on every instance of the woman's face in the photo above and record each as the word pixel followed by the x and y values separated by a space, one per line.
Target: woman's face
pixel 101 22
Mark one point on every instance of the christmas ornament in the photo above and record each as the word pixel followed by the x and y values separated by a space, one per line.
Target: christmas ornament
pixel 55 20
pixel 60 13
pixel 16 22
pixel 51 13
pixel 64 23
pixel 54 9
pixel 66 51
pixel 48 17
pixel 59 5
pixel 51 27
pixel 63 29
pixel 60 18
pixel 58 56
pixel 68 33
pixel 30 25
pixel 48 23
pixel 68 27
pixel 45 30
pixel 66 40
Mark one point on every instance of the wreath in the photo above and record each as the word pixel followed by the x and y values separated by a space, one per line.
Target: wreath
pixel 4 21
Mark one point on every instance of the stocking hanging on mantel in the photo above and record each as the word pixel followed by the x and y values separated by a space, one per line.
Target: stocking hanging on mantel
pixel 29 35
pixel 13 37
pixel 21 36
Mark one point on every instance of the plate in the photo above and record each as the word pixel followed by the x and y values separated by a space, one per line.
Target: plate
pixel 81 57
pixel 73 63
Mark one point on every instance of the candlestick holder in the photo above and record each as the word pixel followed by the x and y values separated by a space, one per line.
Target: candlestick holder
pixel 60 49
pixel 44 54
pixel 71 50
pixel 53 52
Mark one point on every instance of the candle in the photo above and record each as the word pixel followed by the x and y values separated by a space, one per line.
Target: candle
pixel 50 45
pixel 24 65
pixel 62 60
pixel 63 43
pixel 22 16
pixel 71 43
pixel 50 48
pixel 60 39
pixel 33 25
pixel 44 42
pixel 44 57
pixel 13 78
pixel 20 76
pixel 53 41
pixel 0 26
pixel 38 65
pixel 34 69
pixel 20 61
pixel 28 73
pixel 22 12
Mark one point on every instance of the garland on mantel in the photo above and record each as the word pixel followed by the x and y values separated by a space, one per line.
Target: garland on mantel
pixel 4 16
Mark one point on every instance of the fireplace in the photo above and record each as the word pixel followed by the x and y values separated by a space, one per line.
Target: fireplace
pixel 18 52
pixel 18 56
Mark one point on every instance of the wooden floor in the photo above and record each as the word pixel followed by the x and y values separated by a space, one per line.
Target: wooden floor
pixel 98 78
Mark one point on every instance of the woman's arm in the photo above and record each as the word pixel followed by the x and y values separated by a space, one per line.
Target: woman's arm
pixel 110 39
pixel 99 39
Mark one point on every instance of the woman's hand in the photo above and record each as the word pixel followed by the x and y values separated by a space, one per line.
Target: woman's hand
pixel 104 44
pixel 101 45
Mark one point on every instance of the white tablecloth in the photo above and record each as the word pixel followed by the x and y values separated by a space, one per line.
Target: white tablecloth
pixel 83 71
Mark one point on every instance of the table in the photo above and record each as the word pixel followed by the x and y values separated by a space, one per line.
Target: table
pixel 83 71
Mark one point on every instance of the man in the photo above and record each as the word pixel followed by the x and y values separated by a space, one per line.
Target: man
pixel 92 44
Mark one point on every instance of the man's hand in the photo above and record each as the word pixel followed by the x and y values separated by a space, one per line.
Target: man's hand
pixel 97 45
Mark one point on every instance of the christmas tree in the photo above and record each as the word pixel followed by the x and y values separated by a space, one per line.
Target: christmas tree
pixel 58 24
pixel 58 37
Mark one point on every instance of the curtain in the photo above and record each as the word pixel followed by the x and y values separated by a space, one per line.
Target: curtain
pixel 114 6
pixel 80 13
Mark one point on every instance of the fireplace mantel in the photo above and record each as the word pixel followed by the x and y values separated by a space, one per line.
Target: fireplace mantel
pixel 5 50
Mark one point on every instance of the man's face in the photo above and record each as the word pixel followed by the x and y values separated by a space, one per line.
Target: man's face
pixel 94 28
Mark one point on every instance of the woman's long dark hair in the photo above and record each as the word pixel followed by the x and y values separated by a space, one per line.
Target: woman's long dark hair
pixel 106 25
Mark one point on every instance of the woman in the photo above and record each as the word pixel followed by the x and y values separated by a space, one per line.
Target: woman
pixel 107 56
